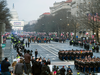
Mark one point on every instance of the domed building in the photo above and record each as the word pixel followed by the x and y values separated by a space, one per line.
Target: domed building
pixel 14 15
pixel 15 22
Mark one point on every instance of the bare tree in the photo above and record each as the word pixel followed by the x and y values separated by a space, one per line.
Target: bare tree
pixel 89 15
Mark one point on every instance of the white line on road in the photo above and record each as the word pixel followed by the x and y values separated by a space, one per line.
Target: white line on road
pixel 48 50
pixel 53 48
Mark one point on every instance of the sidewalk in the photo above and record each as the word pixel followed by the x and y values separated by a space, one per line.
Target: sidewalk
pixel 7 50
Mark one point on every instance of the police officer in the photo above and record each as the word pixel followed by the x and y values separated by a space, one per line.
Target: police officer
pixel 17 57
pixel 97 49
pixel 78 73
pixel 93 48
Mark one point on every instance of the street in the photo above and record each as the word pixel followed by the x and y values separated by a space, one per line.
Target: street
pixel 47 50
pixel 50 50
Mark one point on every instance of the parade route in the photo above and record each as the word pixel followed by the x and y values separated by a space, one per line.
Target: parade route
pixel 50 50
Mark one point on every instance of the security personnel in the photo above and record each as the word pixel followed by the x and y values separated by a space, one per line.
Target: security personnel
pixel 23 46
pixel 17 57
pixel 93 48
pixel 51 39
pixel 14 45
pixel 72 41
pixel 18 41
pixel 78 73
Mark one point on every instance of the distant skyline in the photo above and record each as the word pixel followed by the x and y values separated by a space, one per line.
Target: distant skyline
pixel 31 9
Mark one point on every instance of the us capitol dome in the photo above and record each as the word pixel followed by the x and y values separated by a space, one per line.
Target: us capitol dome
pixel 15 22
pixel 14 14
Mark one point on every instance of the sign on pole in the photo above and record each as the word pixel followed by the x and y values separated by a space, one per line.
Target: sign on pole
pixel 3 45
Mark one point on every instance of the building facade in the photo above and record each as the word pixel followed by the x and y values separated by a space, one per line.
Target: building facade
pixel 15 22
pixel 61 5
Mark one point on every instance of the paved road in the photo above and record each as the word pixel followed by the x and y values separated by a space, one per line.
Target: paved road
pixel 48 50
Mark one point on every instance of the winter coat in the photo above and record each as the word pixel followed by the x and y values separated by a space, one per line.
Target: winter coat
pixel 4 66
pixel 19 68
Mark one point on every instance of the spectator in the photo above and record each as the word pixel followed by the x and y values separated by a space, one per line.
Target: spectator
pixel 28 44
pixel 19 68
pixel 14 64
pixel 69 71
pixel 36 67
pixel 62 71
pixel 58 71
pixel 33 60
pixel 4 67
pixel 45 70
pixel 27 58
pixel 48 62
pixel 44 60
pixel 36 53
pixel 54 70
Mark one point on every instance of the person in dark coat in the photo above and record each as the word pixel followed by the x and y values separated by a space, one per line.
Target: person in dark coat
pixel 48 62
pixel 55 69
pixel 43 61
pixel 26 44
pixel 45 70
pixel 36 68
pixel 33 60
pixel 36 53
pixel 19 68
pixel 97 49
pixel 4 67
pixel 69 71
pixel 62 71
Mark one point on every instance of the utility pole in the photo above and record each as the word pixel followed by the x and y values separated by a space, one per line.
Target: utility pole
pixel 2 31
pixel 0 42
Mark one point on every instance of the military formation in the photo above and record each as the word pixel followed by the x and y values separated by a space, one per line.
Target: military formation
pixel 74 54
pixel 88 64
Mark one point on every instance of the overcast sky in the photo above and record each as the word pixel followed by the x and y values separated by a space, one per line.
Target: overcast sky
pixel 31 9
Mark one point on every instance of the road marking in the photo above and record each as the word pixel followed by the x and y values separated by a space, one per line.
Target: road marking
pixel 49 51
pixel 53 48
